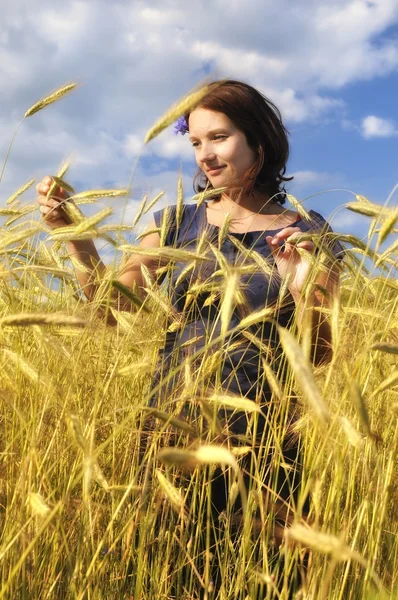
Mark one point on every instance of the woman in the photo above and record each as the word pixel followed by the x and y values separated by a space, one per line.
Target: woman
pixel 240 144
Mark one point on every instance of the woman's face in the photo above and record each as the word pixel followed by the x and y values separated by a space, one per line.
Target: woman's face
pixel 221 150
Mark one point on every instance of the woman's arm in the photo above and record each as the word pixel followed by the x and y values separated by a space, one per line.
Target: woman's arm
pixel 86 253
pixel 296 269
pixel 130 275
pixel 321 334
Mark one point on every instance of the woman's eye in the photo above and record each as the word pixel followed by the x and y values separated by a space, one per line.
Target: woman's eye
pixel 195 144
pixel 220 137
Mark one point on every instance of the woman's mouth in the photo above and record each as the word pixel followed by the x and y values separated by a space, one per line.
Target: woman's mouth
pixel 215 170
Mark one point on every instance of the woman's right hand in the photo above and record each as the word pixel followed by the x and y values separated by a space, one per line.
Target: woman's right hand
pixel 50 208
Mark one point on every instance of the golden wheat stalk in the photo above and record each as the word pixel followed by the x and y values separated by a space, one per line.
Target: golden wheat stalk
pixel 180 200
pixel 298 206
pixel 185 105
pixel 28 370
pixel 173 495
pixel 10 212
pixel 164 226
pixel 153 202
pixel 76 432
pixel 37 504
pixel 184 273
pixel 148 232
pixel 353 436
pixel 369 209
pixel 205 455
pixel 99 477
pixel 167 252
pixel 393 249
pixel 304 374
pixel 54 97
pixel 91 222
pixel 147 276
pixel 20 191
pixel 224 230
pixel 140 210
pixel 94 194
pixel 239 404
pixel 248 253
pixel 18 237
pixel 56 272
pixel 385 347
pixel 57 180
pixel 28 319
pixel 259 316
pixel 170 420
pixel 362 199
pixel 390 382
pixel 322 542
pixel 387 227
pixel 272 379
pixel 66 234
pixel 361 409
pixel 61 182
pixel 74 213
pixel 25 210
pixel 206 194
pixel 138 368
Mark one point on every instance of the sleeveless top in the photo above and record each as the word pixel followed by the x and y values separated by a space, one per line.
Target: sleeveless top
pixel 197 289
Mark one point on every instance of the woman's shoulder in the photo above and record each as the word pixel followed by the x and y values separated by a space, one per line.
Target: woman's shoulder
pixel 171 213
pixel 181 221
pixel 317 220
pixel 318 223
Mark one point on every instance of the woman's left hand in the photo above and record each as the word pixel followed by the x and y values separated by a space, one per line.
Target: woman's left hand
pixel 289 262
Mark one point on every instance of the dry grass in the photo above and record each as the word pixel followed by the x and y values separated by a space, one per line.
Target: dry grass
pixel 102 496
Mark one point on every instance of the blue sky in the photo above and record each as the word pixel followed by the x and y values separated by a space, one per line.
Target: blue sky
pixel 330 66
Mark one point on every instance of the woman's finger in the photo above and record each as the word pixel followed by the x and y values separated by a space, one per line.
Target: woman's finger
pixel 44 201
pixel 283 235
pixel 276 250
pixel 49 212
pixel 45 185
pixel 307 245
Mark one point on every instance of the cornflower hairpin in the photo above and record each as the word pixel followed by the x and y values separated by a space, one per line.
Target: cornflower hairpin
pixel 181 126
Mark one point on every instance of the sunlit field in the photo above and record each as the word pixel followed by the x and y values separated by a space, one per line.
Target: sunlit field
pixel 102 496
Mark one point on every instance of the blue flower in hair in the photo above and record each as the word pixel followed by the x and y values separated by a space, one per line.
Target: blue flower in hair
pixel 181 126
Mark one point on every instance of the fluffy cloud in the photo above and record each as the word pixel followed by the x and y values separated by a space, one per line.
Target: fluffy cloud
pixel 305 179
pixel 373 126
pixel 133 59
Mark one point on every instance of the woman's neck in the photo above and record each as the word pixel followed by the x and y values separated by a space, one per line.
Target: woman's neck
pixel 245 204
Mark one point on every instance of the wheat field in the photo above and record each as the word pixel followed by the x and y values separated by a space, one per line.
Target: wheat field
pixel 102 496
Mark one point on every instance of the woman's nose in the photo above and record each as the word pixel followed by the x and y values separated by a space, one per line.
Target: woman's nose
pixel 205 153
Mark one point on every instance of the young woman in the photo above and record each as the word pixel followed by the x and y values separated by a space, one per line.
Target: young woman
pixel 240 144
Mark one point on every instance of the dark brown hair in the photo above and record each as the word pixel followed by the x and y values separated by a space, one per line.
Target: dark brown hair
pixel 261 122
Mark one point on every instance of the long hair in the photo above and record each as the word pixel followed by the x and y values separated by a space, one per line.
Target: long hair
pixel 261 122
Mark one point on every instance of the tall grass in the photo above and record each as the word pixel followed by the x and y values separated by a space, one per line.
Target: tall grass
pixel 103 496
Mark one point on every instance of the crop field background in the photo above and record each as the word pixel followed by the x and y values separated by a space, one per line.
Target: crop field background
pixel 102 497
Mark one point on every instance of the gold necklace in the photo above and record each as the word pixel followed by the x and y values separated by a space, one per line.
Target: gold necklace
pixel 252 214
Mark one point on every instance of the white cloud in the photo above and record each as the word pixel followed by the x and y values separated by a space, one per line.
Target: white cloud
pixel 304 179
pixel 134 59
pixel 133 145
pixel 373 126
pixel 347 221
pixel 308 107
pixel 167 145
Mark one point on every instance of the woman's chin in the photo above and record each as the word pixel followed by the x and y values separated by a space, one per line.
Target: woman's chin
pixel 220 181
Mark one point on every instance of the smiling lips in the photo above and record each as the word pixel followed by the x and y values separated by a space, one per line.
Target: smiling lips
pixel 215 170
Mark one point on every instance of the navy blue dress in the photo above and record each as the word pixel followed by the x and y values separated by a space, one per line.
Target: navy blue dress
pixel 241 368
pixel 196 292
